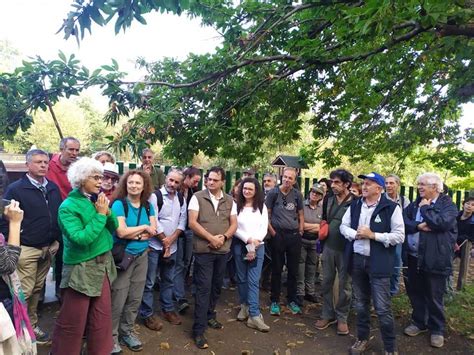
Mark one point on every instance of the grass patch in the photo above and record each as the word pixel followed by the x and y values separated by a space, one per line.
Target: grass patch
pixel 459 312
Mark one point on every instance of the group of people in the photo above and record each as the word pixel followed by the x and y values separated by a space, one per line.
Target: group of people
pixel 115 239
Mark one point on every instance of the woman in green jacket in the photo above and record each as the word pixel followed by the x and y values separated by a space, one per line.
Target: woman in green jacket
pixel 87 225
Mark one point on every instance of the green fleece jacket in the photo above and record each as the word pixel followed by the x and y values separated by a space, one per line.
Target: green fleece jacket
pixel 86 233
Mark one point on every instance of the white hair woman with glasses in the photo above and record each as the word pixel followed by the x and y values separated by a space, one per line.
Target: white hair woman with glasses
pixel 87 225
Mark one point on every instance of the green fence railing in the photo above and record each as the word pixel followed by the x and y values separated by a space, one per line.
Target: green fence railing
pixel 304 183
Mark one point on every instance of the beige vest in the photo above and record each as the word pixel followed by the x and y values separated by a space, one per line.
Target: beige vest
pixel 215 222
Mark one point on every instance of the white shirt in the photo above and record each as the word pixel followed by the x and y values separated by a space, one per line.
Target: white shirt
pixel 252 224
pixel 194 203
pixel 171 217
pixel 362 246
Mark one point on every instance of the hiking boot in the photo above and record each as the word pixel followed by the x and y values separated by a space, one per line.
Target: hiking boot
pixel 300 301
pixel 214 324
pixel 342 328
pixel 172 317
pixel 182 305
pixel 311 298
pixel 201 342
pixel 322 324
pixel 42 337
pixel 436 340
pixel 359 347
pixel 243 313
pixel 131 342
pixel 257 323
pixel 153 323
pixel 116 349
pixel 275 309
pixel 412 330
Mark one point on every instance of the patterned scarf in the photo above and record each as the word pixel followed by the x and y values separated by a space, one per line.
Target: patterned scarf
pixel 24 331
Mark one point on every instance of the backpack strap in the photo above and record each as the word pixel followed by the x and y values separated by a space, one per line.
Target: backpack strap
pixel 125 207
pixel 159 199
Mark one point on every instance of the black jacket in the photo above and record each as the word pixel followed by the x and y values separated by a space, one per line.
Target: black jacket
pixel 435 249
pixel 40 222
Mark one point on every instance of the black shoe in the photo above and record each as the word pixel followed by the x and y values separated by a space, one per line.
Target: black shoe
pixel 183 305
pixel 201 342
pixel 214 324
pixel 300 301
pixel 311 298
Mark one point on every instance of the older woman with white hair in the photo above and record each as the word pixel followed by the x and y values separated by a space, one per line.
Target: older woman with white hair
pixel 87 225
pixel 430 225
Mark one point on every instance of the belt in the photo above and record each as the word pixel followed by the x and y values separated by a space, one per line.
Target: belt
pixel 282 230
pixel 100 259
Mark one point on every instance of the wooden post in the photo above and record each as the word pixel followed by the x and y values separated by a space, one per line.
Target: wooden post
pixel 464 265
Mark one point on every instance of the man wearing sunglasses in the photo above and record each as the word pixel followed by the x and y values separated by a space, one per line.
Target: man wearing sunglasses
pixel 110 179
pixel 286 226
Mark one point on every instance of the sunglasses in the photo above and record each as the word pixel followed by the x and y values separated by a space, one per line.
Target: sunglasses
pixel 114 179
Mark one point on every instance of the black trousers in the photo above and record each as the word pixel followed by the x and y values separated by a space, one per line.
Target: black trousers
pixel 286 244
pixel 209 270
pixel 426 292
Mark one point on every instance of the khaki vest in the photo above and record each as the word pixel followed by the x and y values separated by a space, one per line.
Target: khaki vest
pixel 212 221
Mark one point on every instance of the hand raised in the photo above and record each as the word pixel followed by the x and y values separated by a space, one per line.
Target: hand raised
pixel 13 212
pixel 102 204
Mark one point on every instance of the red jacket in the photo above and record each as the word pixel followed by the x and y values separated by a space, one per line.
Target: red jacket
pixel 58 174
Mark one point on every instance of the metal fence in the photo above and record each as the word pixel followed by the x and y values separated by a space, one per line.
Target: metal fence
pixel 304 183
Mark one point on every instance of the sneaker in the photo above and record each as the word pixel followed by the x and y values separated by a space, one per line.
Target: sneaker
pixel 201 342
pixel 117 349
pixel 131 342
pixel 182 305
pixel 275 309
pixel 294 308
pixel 42 337
pixel 258 323
pixel 437 340
pixel 214 324
pixel 243 313
pixel 390 352
pixel 153 323
pixel 342 328
pixel 322 324
pixel 412 330
pixel 359 347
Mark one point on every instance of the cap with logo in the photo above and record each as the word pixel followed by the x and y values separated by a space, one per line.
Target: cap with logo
pixel 377 178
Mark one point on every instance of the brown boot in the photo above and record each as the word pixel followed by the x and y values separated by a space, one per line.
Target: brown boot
pixel 172 317
pixel 342 328
pixel 322 324
pixel 153 323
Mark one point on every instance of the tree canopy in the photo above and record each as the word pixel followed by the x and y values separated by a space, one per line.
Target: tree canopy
pixel 378 76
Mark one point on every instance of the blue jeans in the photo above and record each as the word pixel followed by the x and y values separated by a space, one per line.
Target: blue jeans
pixel 395 278
pixel 183 259
pixel 366 286
pixel 248 276
pixel 166 269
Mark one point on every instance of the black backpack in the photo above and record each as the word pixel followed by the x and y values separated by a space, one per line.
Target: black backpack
pixel 125 207
pixel 159 199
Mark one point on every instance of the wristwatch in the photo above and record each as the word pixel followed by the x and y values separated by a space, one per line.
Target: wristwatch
pixel 139 237
pixel 225 237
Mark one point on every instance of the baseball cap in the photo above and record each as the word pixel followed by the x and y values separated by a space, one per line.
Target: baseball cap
pixel 111 169
pixel 317 188
pixel 379 179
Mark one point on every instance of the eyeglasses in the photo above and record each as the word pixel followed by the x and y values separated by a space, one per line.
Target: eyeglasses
pixel 284 200
pixel 97 177
pixel 106 177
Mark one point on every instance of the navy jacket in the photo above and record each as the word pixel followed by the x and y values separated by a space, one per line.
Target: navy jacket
pixel 40 222
pixel 436 248
pixel 381 258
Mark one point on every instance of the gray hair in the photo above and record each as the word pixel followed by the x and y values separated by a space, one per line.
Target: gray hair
pixel 81 169
pixel 32 152
pixel 63 142
pixel 175 171
pixel 270 175
pixel 396 177
pixel 147 150
pixel 97 155
pixel 432 179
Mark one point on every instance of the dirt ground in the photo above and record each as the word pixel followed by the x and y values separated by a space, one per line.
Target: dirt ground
pixel 288 334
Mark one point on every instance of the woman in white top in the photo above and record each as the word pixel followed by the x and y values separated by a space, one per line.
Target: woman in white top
pixel 252 218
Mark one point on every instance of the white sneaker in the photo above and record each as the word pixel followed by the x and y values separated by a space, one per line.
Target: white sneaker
pixel 243 313
pixel 117 349
pixel 258 323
